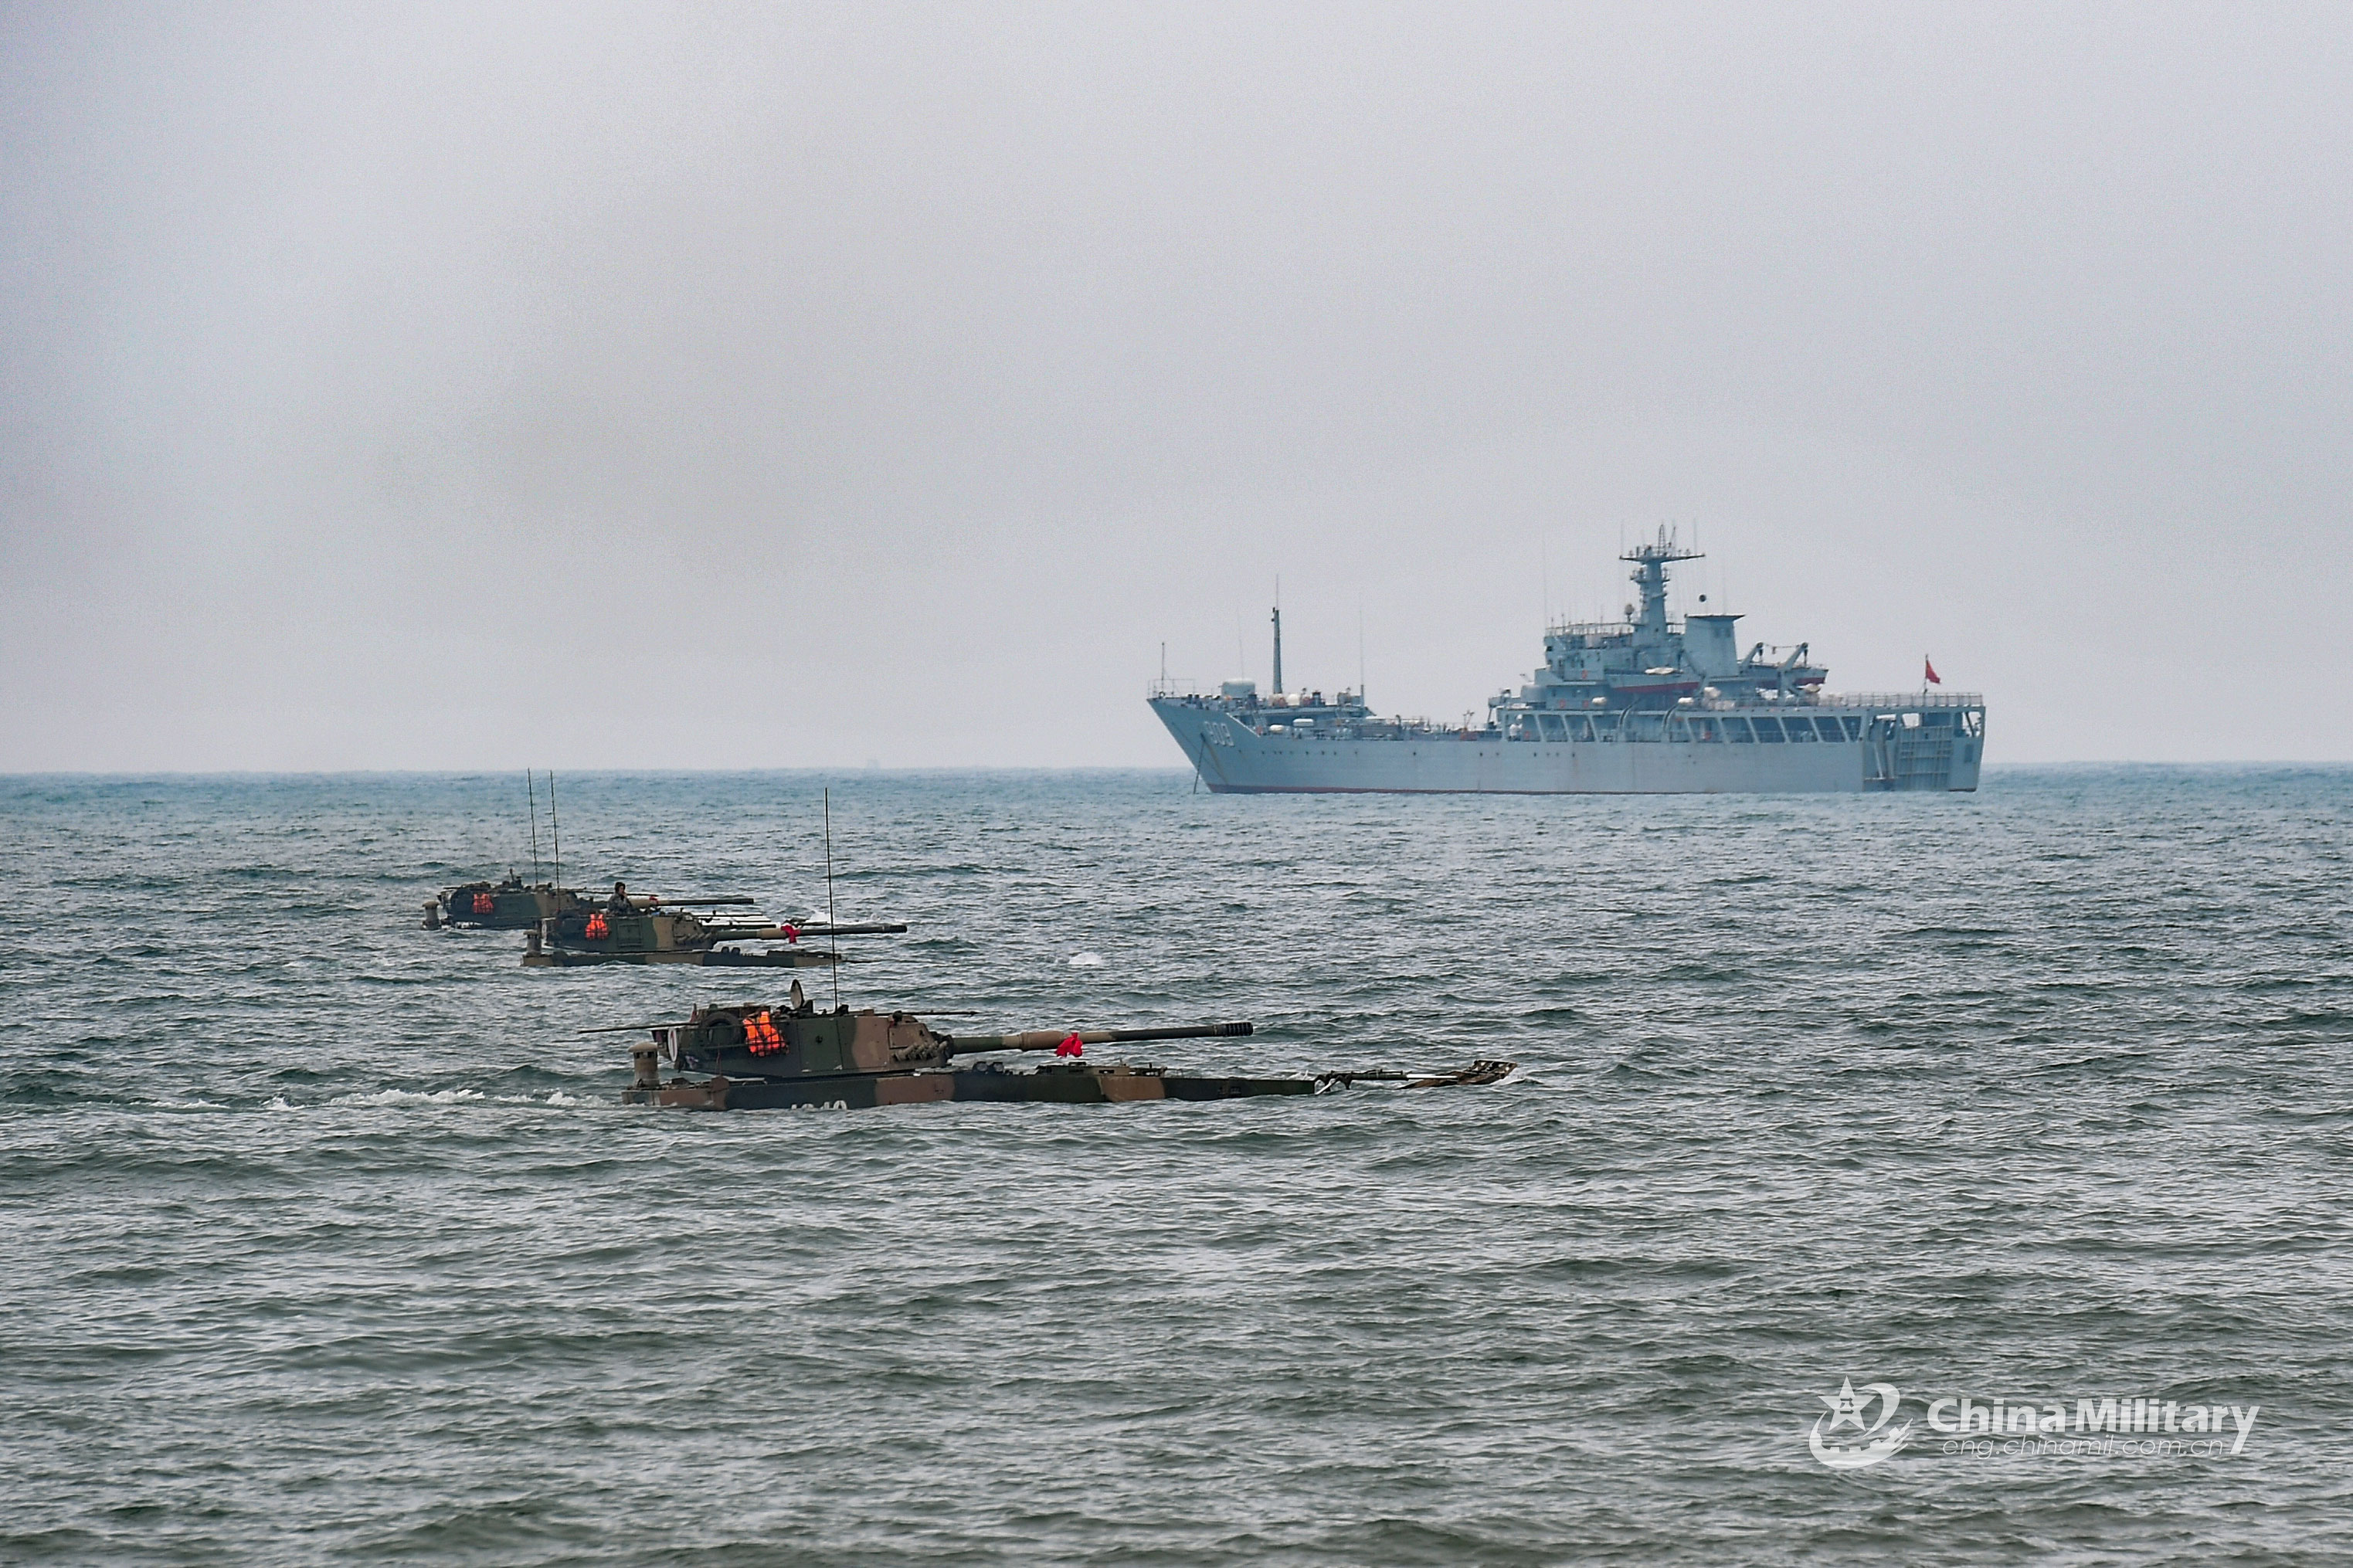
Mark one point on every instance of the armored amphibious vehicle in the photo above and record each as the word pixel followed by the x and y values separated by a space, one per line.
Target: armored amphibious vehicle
pixel 756 1057
pixel 680 936
pixel 510 905
pixel 515 905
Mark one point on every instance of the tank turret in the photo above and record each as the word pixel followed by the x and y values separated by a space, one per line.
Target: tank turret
pixel 759 1056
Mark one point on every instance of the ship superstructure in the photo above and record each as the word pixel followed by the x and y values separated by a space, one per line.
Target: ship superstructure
pixel 1650 704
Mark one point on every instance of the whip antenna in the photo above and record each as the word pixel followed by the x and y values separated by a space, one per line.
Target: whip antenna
pixel 531 799
pixel 836 964
pixel 556 827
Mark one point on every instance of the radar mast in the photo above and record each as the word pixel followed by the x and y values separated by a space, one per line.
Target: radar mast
pixel 1650 574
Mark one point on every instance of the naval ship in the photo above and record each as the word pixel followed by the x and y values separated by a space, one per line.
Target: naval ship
pixel 1649 705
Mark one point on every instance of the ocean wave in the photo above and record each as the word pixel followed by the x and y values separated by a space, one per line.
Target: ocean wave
pixel 412 1097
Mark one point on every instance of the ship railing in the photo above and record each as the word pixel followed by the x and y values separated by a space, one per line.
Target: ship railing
pixel 1355 729
pixel 1897 702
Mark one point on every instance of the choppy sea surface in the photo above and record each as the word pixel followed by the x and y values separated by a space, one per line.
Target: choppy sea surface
pixel 325 1238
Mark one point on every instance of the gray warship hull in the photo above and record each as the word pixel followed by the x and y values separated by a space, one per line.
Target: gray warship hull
pixel 1909 742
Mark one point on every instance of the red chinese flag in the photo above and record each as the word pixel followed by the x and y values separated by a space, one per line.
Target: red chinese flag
pixel 792 931
pixel 1933 679
pixel 1071 1045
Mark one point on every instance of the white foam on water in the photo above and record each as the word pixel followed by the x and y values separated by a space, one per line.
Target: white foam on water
pixel 412 1097
pixel 1086 961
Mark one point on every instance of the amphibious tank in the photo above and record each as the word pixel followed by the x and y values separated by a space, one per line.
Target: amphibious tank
pixel 516 905
pixel 758 1056
pixel 605 935
pixel 511 905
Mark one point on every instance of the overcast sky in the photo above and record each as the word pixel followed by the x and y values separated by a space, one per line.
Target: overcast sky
pixel 642 386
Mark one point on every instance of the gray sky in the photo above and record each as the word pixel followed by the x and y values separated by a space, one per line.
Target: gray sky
pixel 686 386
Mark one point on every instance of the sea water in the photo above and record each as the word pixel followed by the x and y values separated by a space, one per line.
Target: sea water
pixel 326 1238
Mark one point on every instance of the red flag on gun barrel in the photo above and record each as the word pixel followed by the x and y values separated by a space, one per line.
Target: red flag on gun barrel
pixel 1071 1045
pixel 1933 679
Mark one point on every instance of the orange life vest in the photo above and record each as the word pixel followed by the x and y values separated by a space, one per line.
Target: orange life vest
pixel 761 1034
pixel 597 929
pixel 484 903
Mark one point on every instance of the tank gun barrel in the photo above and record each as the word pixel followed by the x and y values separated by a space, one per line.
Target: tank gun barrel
pixel 701 902
pixel 1048 1039
pixel 791 933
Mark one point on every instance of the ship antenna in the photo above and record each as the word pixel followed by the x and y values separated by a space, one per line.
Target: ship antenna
pixel 556 827
pixel 531 799
pixel 1278 637
pixel 836 964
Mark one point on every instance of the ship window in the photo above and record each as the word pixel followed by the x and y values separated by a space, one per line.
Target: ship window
pixel 1736 730
pixel 1853 729
pixel 1800 728
pixel 1767 729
